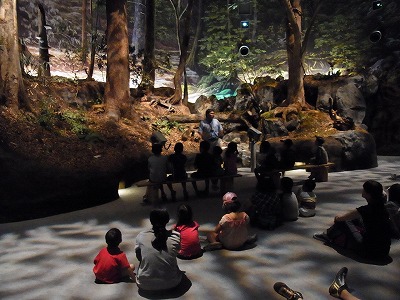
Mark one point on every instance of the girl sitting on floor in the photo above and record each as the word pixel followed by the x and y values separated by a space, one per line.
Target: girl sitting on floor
pixel 189 230
pixel 232 230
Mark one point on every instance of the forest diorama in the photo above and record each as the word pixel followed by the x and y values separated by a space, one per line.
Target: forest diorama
pixel 84 85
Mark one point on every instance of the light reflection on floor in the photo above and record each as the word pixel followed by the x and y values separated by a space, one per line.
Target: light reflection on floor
pixel 52 258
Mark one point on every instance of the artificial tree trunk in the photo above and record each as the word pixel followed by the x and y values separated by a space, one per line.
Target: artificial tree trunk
pixel 184 46
pixel 294 52
pixel 12 90
pixel 149 71
pixel 138 31
pixel 44 57
pixel 117 80
pixel 84 32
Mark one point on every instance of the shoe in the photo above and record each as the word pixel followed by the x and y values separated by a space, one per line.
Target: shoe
pixel 285 291
pixel 339 283
pixel 173 196
pixel 213 246
pixel 323 237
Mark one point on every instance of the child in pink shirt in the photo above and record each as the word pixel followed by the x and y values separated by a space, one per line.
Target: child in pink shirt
pixel 232 230
pixel 189 231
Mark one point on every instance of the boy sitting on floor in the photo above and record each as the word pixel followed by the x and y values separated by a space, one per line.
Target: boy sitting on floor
pixel 111 264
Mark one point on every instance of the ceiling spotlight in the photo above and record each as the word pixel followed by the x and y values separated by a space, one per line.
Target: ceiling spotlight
pixel 244 50
pixel 244 24
pixel 375 36
pixel 377 5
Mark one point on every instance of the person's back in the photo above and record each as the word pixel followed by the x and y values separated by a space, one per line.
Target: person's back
pixel 233 225
pixel 230 159
pixel 288 155
pixel 111 264
pixel 189 232
pixel 266 205
pixel 204 161
pixel 217 161
pixel 178 162
pixel 376 238
pixel 290 208
pixel 307 199
pixel 156 250
pixel 157 164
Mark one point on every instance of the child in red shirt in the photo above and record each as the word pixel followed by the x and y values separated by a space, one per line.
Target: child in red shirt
pixel 189 231
pixel 111 264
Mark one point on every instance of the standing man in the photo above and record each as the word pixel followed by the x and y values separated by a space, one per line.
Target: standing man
pixel 211 130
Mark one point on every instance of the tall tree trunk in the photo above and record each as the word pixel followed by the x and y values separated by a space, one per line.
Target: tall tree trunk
pixel 44 57
pixel 117 83
pixel 254 23
pixel 294 51
pixel 93 39
pixel 138 32
pixel 149 71
pixel 84 32
pixel 192 58
pixel 12 90
pixel 184 46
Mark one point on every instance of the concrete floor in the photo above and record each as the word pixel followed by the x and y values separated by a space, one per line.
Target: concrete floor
pixel 52 258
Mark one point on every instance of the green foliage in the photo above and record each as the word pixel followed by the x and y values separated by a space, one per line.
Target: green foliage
pixel 165 126
pixel 218 48
pixel 76 120
pixel 53 118
pixel 338 40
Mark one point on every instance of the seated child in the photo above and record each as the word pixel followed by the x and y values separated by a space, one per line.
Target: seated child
pixel 217 166
pixel 203 162
pixel 156 250
pixel 177 161
pixel 321 157
pixel 290 206
pixel 307 199
pixel 189 231
pixel 111 264
pixel 158 166
pixel 232 230
pixel 266 207
pixel 230 159
pixel 393 208
pixel 287 155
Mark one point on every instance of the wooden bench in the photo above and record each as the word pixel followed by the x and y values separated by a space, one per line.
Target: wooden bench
pixel 226 184
pixel 320 171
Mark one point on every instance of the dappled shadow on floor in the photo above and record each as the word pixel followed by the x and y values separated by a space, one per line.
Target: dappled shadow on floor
pixel 176 292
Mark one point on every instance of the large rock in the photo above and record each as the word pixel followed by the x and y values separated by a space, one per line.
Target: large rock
pixel 345 97
pixel 349 150
pixel 358 150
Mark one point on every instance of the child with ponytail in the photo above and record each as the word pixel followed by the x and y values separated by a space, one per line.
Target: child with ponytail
pixel 156 249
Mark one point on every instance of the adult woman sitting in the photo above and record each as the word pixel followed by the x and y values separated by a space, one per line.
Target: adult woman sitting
pixel 365 229
pixel 156 249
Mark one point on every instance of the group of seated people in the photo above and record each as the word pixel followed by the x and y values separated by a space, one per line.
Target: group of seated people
pixel 208 163
pixel 269 161
pixel 273 204
pixel 158 248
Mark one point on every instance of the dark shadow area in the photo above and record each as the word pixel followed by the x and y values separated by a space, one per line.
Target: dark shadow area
pixel 356 257
pixel 176 292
